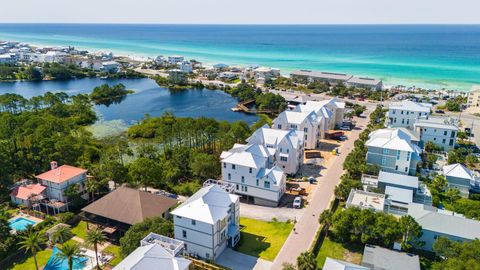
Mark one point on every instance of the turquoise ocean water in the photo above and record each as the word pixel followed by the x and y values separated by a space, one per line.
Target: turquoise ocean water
pixel 431 56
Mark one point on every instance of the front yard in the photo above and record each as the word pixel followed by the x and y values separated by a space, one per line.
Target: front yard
pixel 261 238
pixel 339 251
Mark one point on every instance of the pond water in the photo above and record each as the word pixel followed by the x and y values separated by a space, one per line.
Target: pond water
pixel 148 98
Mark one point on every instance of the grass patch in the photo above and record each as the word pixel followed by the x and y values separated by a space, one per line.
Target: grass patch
pixel 349 253
pixel 29 264
pixel 80 229
pixel 115 251
pixel 262 239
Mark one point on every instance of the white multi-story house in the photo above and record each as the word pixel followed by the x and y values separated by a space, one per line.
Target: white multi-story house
pixel 58 179
pixel 441 131
pixel 474 97
pixel 406 113
pixel 266 73
pixel 288 145
pixel 308 122
pixel 252 170
pixel 208 222
pixel 332 110
pixel 393 150
pixel 110 66
pixel 175 59
pixel 186 66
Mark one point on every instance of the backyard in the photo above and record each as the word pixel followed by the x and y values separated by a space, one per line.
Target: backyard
pixel 28 263
pixel 261 238
pixel 350 253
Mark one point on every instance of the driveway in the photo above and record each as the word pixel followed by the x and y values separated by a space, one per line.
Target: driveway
pixel 239 261
pixel 307 226
pixel 268 213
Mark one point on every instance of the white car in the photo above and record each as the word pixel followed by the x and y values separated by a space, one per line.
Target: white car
pixel 345 128
pixel 297 202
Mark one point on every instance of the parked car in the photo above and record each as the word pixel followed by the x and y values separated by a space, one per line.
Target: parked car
pixel 297 202
pixel 342 138
pixel 440 111
pixel 345 128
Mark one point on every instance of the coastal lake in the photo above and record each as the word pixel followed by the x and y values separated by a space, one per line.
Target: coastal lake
pixel 148 98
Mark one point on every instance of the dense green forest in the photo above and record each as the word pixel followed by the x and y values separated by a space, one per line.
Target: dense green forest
pixel 106 95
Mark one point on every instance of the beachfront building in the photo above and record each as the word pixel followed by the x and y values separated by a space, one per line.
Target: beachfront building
pixel 110 66
pixel 307 122
pixel 156 252
pixel 26 194
pixel 474 97
pixel 459 176
pixel 406 113
pixel 365 83
pixel 308 76
pixel 438 130
pixel 252 171
pixel 58 179
pixel 376 258
pixel 8 58
pixel 186 66
pixel 393 150
pixel 331 111
pixel 208 222
pixel 175 59
pixel 265 73
pixel 288 146
pixel 441 223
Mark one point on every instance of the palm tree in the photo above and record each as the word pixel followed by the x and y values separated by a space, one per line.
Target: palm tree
pixel 62 234
pixel 95 238
pixel 31 243
pixel 306 261
pixel 69 252
pixel 325 220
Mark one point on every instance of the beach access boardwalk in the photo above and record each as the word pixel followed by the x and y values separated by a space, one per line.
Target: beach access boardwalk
pixel 307 226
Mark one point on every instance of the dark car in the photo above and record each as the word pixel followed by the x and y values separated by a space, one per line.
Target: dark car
pixel 439 111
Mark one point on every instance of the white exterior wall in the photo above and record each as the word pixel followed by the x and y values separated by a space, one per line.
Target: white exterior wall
pixel 439 136
pixel 56 190
pixel 294 158
pixel 311 131
pixel 430 237
pixel 249 184
pixel 404 118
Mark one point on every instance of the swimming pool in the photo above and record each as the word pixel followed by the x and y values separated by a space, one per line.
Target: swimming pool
pixel 55 263
pixel 20 224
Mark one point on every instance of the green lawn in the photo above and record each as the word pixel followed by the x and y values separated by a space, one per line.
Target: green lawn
pixel 339 251
pixel 28 263
pixel 115 250
pixel 80 230
pixel 262 239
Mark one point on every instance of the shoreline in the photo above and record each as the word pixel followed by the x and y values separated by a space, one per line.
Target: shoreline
pixel 461 86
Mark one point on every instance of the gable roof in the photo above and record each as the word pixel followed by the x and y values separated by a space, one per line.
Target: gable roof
pixel 333 264
pixel 61 174
pixel 152 257
pixel 253 155
pixel 377 257
pixel 457 170
pixel 398 179
pixel 392 138
pixel 207 205
pixel 25 192
pixel 408 105
pixel 297 118
pixel 130 205
pixel 275 174
pixel 273 137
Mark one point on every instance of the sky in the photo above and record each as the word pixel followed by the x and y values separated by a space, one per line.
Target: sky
pixel 242 11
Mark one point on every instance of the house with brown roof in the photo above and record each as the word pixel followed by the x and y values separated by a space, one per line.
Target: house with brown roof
pixel 125 206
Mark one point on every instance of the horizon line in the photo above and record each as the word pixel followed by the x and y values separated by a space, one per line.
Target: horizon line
pixel 252 24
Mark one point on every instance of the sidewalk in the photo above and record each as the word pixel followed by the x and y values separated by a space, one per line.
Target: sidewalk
pixel 307 226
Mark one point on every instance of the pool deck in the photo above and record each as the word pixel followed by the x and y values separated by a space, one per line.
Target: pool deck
pixel 26 216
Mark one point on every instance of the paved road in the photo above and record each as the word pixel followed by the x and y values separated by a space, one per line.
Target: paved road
pixel 307 226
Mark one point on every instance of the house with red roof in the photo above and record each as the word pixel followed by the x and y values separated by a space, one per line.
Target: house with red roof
pixel 59 178
pixel 27 194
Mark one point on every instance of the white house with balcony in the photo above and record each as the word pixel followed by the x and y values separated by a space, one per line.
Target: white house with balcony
pixel 438 130
pixel 208 222
pixel 288 145
pixel 406 113
pixel 331 110
pixel 393 150
pixel 308 122
pixel 252 170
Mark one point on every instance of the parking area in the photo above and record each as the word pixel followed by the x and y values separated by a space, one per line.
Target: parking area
pixel 239 261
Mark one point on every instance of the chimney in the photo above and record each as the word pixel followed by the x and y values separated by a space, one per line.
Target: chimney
pixel 53 165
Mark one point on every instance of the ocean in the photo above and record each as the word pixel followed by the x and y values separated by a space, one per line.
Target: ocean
pixel 429 56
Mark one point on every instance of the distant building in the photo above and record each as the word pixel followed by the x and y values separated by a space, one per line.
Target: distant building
pixel 406 113
pixel 175 59
pixel 365 83
pixel 307 122
pixel 327 77
pixel 474 97
pixel 438 130
pixel 377 258
pixel 208 222
pixel 111 66
pixel 252 170
pixel 266 73
pixel 458 176
pixel 160 60
pixel 186 66
pixel 393 150
pixel 8 58
pixel 288 145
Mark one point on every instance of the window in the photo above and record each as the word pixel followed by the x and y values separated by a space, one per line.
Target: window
pixel 185 245
pixel 453 134
pixel 233 167
pixel 408 156
pixel 224 165
pixel 393 112
pixel 283 159
pixel 246 190
pixel 184 234
pixel 396 167
pixel 451 142
pixel 384 161
pixel 398 154
pixel 288 151
pixel 207 255
pixel 305 136
pixel 386 151
pixel 250 170
pixel 435 131
pixel 257 182
pixel 443 141
pixel 237 187
pixel 280 150
pixel 266 184
pixel 403 121
pixel 194 222
pixel 243 179
pixel 445 133
pixel 401 112
pixel 229 177
pixel 305 129
pixel 279 126
pixel 408 121
pixel 434 139
pixel 406 169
